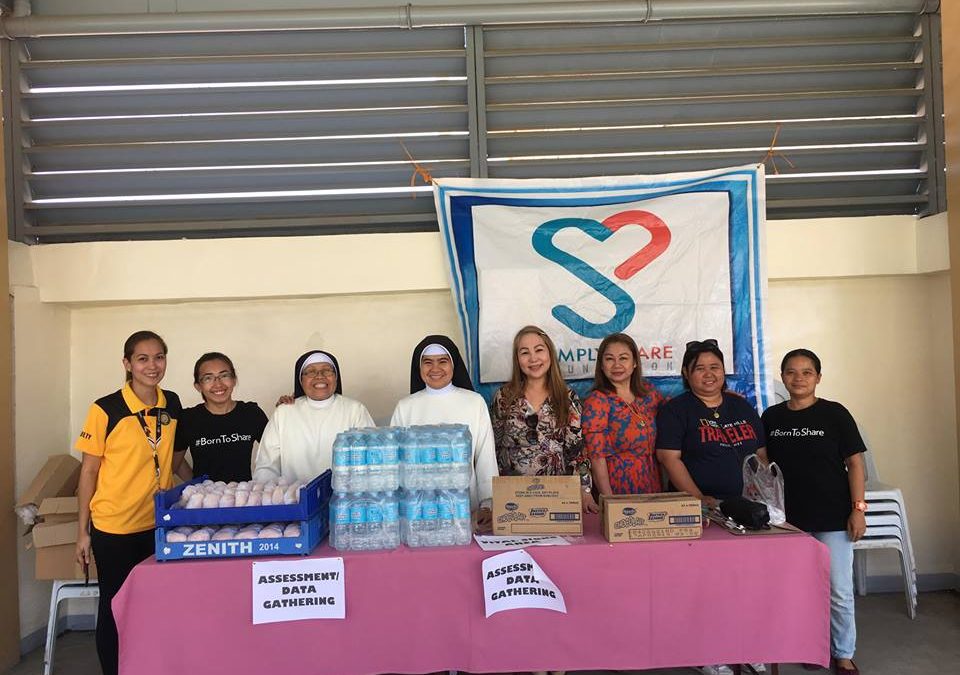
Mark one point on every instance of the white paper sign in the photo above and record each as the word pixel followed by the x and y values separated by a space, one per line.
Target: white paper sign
pixel 489 542
pixel 309 588
pixel 514 580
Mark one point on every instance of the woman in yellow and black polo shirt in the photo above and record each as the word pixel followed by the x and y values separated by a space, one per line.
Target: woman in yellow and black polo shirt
pixel 127 446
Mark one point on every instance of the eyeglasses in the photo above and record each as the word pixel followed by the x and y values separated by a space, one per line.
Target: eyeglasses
pixel 533 421
pixel 210 378
pixel 325 373
pixel 702 345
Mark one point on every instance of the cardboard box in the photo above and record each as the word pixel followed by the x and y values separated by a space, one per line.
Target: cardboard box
pixel 58 478
pixel 55 534
pixel 652 517
pixel 58 510
pixel 59 562
pixel 537 505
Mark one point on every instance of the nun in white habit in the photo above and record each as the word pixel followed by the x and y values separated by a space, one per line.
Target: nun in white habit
pixel 297 442
pixel 441 393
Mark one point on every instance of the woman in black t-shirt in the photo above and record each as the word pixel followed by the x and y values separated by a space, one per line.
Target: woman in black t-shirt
pixel 819 450
pixel 220 432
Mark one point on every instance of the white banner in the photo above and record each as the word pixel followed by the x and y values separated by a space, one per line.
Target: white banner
pixel 308 588
pixel 514 580
pixel 666 259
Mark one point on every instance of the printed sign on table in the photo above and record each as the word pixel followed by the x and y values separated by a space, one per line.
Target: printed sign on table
pixel 666 259
pixel 514 580
pixel 292 590
pixel 492 542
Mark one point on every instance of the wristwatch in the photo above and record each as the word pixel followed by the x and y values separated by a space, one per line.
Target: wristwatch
pixel 860 506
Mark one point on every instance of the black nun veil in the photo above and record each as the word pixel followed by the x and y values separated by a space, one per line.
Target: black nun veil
pixel 461 378
pixel 297 389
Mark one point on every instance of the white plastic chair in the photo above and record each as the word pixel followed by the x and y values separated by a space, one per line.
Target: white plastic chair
pixel 63 590
pixel 886 509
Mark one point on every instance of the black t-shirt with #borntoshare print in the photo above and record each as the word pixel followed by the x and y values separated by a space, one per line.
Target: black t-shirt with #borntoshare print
pixel 810 446
pixel 221 445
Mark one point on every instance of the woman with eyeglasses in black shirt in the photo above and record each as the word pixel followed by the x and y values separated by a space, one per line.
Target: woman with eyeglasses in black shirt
pixel 536 417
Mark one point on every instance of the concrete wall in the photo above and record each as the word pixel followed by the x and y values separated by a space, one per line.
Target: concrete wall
pixel 870 295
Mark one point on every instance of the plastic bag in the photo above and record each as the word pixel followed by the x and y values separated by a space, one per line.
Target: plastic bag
pixel 764 483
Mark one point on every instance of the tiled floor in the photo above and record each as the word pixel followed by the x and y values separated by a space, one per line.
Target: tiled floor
pixel 889 642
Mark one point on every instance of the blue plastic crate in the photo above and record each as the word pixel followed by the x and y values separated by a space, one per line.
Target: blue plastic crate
pixel 314 496
pixel 312 533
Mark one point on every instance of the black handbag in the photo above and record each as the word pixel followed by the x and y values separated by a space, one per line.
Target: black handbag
pixel 752 515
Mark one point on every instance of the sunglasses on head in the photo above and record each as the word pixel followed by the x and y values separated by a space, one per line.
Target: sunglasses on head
pixel 702 345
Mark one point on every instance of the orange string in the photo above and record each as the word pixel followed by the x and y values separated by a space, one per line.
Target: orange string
pixel 773 153
pixel 418 170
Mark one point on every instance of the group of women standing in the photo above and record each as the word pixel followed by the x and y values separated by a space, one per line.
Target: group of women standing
pixel 134 440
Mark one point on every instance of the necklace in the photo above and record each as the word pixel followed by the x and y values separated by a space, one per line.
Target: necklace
pixel 714 409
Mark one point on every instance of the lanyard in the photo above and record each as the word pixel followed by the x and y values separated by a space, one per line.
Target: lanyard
pixel 155 441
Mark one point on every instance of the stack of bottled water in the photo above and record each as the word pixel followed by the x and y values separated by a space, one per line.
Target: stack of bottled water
pixel 364 509
pixel 431 463
pixel 436 457
pixel 367 460
pixel 435 517
pixel 435 472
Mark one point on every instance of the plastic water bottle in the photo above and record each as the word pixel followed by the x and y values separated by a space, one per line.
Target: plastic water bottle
pixel 427 460
pixel 443 442
pixel 391 520
pixel 461 513
pixel 374 520
pixel 358 462
pixel 340 522
pixel 410 513
pixel 391 460
pixel 428 518
pixel 462 450
pixel 358 523
pixel 341 464
pixel 446 534
pixel 410 470
pixel 374 459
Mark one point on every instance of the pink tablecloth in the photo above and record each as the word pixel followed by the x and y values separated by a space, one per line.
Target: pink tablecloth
pixel 720 599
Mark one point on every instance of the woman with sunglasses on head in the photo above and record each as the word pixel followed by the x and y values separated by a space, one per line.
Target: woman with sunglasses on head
pixel 619 421
pixel 441 393
pixel 818 447
pixel 705 433
pixel 127 449
pixel 536 417
pixel 220 432
pixel 297 442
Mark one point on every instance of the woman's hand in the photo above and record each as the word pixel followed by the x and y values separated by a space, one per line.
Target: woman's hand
pixel 710 502
pixel 83 551
pixel 589 503
pixel 856 525
pixel 484 524
pixel 286 399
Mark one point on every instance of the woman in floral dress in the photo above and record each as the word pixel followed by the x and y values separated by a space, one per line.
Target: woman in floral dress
pixel 536 417
pixel 619 422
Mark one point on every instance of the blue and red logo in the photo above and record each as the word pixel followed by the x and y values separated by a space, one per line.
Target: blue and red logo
pixel 542 241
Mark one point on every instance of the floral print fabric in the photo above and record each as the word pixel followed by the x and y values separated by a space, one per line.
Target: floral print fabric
pixel 625 434
pixel 532 443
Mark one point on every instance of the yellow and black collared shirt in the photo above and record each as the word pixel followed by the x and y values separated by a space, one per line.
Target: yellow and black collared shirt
pixel 123 500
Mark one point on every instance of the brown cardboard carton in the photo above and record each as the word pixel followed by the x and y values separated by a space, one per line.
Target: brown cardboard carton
pixel 667 515
pixel 55 534
pixel 58 510
pixel 58 478
pixel 537 505
pixel 59 562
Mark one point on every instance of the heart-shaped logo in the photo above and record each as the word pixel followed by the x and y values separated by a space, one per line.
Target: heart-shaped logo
pixel 625 308
pixel 166 550
pixel 659 239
